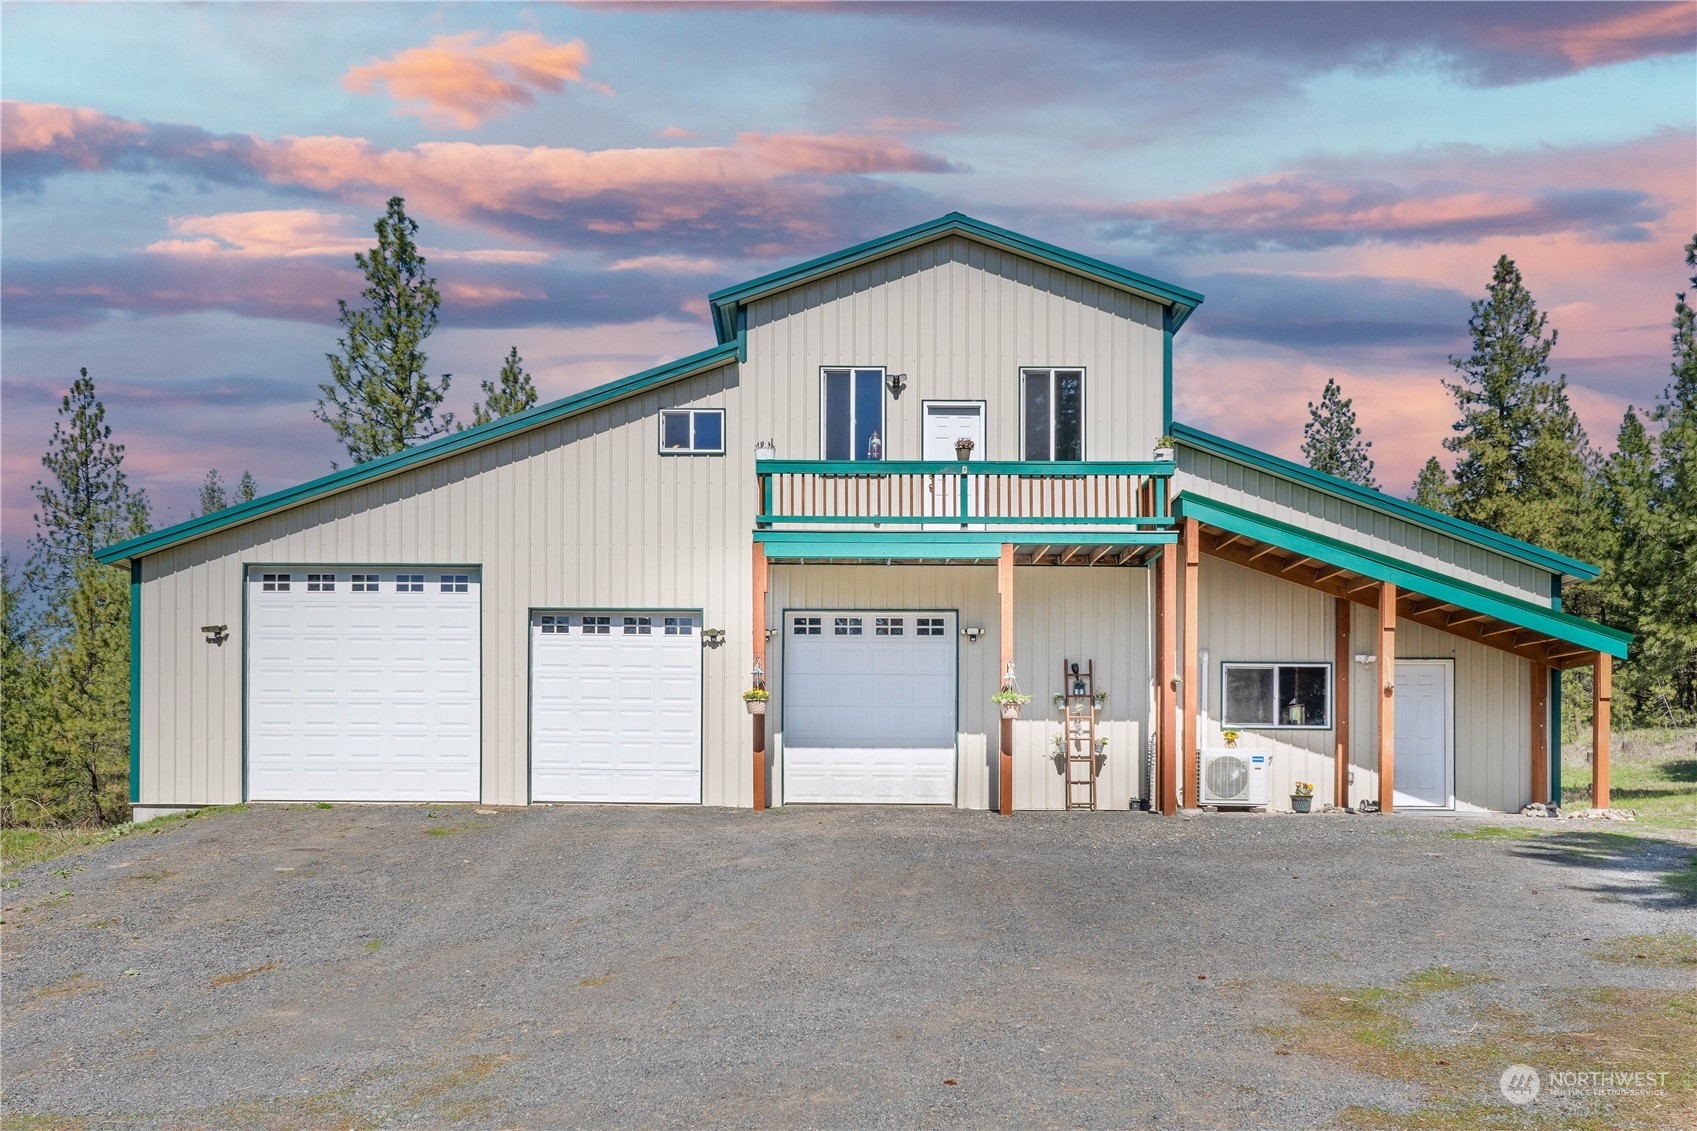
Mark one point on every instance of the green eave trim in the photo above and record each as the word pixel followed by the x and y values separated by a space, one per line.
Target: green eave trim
pixel 1468 532
pixel 728 302
pixel 1379 567
pixel 135 682
pixel 450 445
pixel 917 545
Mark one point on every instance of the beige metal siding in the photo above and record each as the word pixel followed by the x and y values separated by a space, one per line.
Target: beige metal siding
pixel 1247 488
pixel 1083 614
pixel 960 319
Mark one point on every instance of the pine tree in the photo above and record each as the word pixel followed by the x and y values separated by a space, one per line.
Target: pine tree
pixel 1524 458
pixel 1432 486
pixel 83 727
pixel 1331 440
pixel 247 488
pixel 1631 552
pixel 21 708
pixel 511 392
pixel 380 399
pixel 212 494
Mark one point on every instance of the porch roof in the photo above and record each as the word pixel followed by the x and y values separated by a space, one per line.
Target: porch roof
pixel 1458 607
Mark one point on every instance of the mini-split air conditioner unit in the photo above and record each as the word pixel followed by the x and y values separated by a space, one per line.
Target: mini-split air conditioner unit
pixel 1235 777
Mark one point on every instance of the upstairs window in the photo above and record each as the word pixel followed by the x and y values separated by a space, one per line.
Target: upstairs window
pixel 852 418
pixel 1053 413
pixel 1284 696
pixel 692 431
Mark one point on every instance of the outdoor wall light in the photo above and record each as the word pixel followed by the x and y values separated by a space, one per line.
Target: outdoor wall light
pixel 896 383
pixel 216 633
pixel 972 634
pixel 1364 659
pixel 712 637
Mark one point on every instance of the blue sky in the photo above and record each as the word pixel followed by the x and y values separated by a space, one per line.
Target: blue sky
pixel 184 187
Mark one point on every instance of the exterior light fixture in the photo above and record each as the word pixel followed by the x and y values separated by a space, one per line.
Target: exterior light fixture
pixel 713 637
pixel 765 449
pixel 1364 659
pixel 972 634
pixel 216 633
pixel 896 382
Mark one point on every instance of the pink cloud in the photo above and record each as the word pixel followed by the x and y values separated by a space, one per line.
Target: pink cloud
pixel 461 81
pixel 1634 34
pixel 300 232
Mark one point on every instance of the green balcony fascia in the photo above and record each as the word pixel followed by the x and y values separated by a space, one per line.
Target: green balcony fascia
pixel 914 545
pixel 1035 469
pixel 1012 521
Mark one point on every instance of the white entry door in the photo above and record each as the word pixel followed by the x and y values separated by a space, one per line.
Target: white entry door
pixel 946 422
pixel 1425 735
pixel 615 707
pixel 363 684
pixel 868 707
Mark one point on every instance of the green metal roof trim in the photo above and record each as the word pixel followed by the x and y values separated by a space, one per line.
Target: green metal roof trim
pixel 430 452
pixel 1380 567
pixel 727 302
pixel 910 545
pixel 1468 532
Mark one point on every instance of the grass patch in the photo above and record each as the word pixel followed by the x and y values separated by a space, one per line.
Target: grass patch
pixel 323 805
pixel 241 976
pixel 1653 772
pixel 1370 1030
pixel 374 944
pixel 21 847
pixel 1670 948
pixel 442 830
pixel 1494 832
pixel 77 983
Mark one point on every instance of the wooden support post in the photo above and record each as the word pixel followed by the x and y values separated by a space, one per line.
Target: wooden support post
pixel 1387 695
pixel 1341 667
pixel 760 585
pixel 1166 670
pixel 1190 683
pixel 1004 763
pixel 1602 694
pixel 1540 732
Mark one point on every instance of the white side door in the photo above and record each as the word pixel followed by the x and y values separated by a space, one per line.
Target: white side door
pixel 945 422
pixel 1425 739
pixel 363 684
pixel 615 707
pixel 868 707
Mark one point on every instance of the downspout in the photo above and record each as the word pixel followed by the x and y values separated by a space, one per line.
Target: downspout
pixel 1555 707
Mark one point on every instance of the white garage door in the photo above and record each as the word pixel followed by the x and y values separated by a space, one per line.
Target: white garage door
pixel 615 707
pixel 868 702
pixel 363 684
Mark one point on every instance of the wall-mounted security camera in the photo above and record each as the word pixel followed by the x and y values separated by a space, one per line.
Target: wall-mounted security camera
pixel 972 634
pixel 713 637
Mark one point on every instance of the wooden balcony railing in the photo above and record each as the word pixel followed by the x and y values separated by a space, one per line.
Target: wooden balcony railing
pixel 913 494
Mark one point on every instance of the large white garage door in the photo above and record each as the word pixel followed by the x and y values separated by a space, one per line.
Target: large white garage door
pixel 868 703
pixel 615 707
pixel 363 684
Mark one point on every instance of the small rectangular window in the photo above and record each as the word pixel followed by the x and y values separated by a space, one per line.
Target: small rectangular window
pixel 1053 413
pixel 455 582
pixel 887 626
pixel 692 431
pixel 852 420
pixel 848 626
pixel 1282 696
pixel 597 626
pixel 930 626
pixel 363 582
pixel 409 583
pixel 639 626
pixel 806 626
pixel 320 583
pixel 680 626
pixel 274 582
pixel 554 626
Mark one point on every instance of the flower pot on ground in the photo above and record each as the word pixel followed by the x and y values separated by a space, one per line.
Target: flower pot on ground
pixel 1230 738
pixel 1302 797
pixel 1010 702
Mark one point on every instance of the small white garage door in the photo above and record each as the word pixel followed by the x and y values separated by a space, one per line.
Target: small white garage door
pixel 615 707
pixel 868 700
pixel 363 684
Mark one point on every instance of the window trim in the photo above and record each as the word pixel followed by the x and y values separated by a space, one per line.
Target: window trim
pixel 1083 411
pixel 692 450
pixel 1275 665
pixel 883 409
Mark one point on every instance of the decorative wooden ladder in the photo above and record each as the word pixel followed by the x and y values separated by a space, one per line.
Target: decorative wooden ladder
pixel 1079 737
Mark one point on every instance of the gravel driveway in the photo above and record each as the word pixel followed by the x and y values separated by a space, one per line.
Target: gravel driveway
pixel 556 967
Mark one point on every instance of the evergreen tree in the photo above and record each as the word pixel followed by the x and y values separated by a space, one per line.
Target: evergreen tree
pixel 82 767
pixel 511 392
pixel 21 762
pixel 1524 459
pixel 1432 486
pixel 380 399
pixel 247 488
pixel 212 494
pixel 1331 440
pixel 1630 549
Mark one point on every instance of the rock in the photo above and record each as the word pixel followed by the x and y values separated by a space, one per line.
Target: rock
pixel 1602 815
pixel 1539 809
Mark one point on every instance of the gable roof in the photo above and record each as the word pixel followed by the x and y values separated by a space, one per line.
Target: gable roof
pixel 420 454
pixel 728 303
pixel 1468 532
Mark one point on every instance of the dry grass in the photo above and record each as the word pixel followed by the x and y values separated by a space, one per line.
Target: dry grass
pixel 1674 949
pixel 241 976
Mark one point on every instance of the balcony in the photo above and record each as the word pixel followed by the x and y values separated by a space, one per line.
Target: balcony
pixel 1052 513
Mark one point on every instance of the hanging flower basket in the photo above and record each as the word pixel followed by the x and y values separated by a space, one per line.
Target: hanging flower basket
pixel 755 700
pixel 1010 702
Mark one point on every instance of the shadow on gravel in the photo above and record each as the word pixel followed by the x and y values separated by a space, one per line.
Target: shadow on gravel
pixel 1653 874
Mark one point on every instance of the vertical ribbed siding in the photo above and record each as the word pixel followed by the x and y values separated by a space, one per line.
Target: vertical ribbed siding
pixel 1229 482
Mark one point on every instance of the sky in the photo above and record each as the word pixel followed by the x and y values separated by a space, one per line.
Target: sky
pixel 183 188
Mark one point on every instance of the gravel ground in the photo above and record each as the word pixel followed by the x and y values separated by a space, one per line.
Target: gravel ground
pixel 557 967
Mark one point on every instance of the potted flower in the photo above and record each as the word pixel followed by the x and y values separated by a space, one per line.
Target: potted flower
pixel 1164 449
pixel 1101 698
pixel 1302 797
pixel 1010 701
pixel 963 448
pixel 755 699
pixel 1230 737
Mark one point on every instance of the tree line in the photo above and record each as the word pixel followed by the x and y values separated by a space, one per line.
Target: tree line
pixel 65 618
pixel 1525 467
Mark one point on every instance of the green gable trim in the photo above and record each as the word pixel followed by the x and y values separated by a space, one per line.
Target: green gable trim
pixel 1379 567
pixel 912 545
pixel 728 302
pixel 434 450
pixel 135 682
pixel 1386 504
